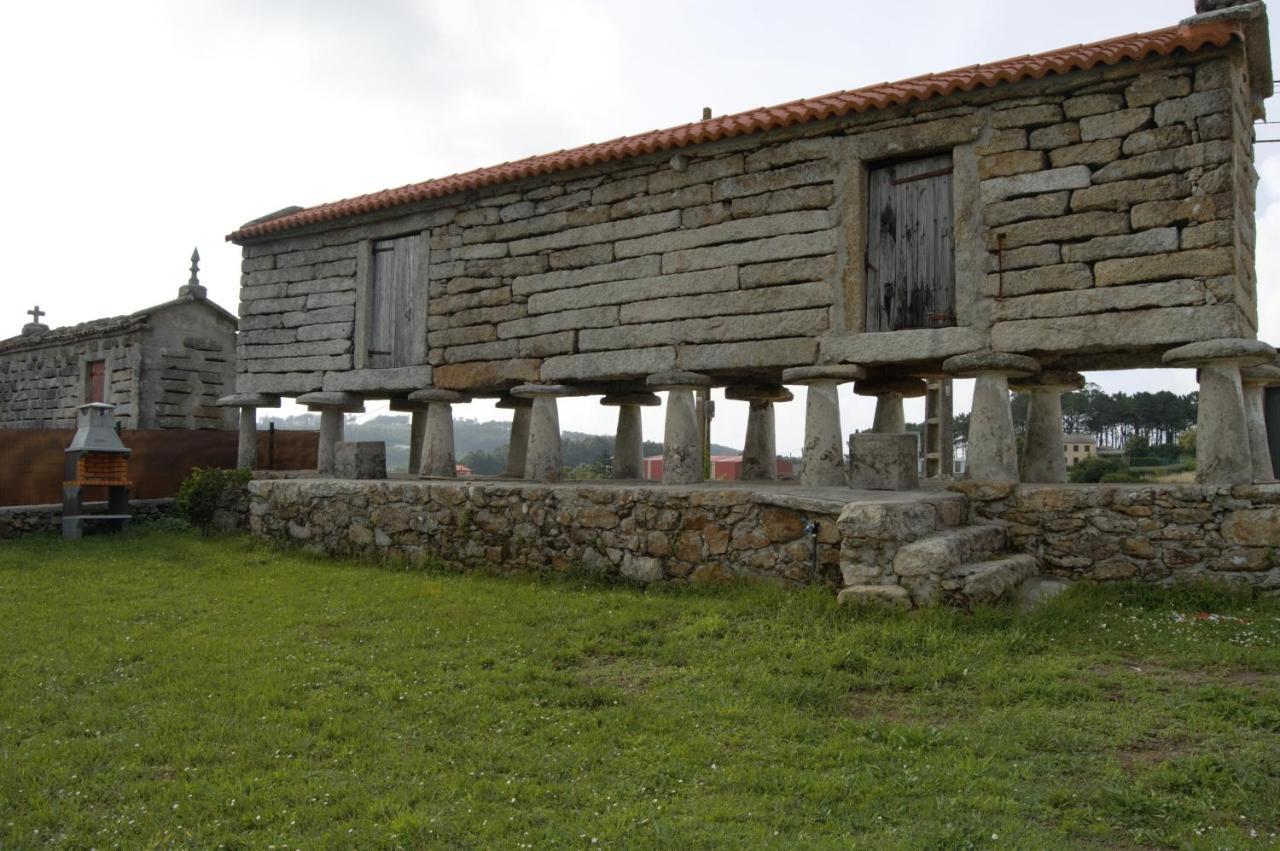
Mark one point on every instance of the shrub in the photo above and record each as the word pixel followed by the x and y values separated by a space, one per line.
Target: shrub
pixel 1124 476
pixel 1091 470
pixel 202 491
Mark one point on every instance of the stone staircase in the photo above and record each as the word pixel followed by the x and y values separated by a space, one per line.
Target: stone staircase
pixel 925 554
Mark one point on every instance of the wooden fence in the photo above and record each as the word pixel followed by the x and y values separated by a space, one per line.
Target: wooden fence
pixel 31 460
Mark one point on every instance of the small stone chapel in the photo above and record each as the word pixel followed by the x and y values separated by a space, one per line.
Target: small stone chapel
pixel 162 367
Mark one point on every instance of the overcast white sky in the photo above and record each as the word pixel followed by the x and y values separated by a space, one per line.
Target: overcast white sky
pixel 135 130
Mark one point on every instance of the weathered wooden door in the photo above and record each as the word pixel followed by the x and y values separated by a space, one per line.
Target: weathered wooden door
pixel 392 324
pixel 910 255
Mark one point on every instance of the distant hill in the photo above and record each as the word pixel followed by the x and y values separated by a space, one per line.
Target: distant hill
pixel 481 445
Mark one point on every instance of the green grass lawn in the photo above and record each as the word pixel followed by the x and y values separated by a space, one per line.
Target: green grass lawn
pixel 160 690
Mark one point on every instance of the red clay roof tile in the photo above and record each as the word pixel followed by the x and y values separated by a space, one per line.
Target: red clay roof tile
pixel 1080 57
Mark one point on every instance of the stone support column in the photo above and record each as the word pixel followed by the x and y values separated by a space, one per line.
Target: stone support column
pixel 889 393
pixel 1255 381
pixel 333 408
pixel 1223 455
pixel 823 446
pixel 1043 456
pixel 248 403
pixel 437 443
pixel 682 461
pixel 518 448
pixel 417 428
pixel 993 452
pixel 544 460
pixel 628 444
pixel 760 449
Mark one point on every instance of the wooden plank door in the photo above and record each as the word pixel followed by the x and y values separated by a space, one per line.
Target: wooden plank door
pixel 97 381
pixel 392 303
pixel 910 253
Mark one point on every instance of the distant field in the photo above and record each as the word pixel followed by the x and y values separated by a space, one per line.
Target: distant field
pixel 161 690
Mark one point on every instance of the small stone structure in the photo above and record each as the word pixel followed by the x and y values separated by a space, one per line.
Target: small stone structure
pixel 161 367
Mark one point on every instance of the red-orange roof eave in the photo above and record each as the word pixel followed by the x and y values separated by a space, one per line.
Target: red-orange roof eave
pixel 915 89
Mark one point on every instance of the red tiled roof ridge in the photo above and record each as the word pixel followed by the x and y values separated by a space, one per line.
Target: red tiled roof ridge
pixel 1080 57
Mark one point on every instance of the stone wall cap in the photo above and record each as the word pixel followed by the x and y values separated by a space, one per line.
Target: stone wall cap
pixel 1060 378
pixel 758 393
pixel 250 400
pixel 977 363
pixel 438 394
pixel 647 400
pixel 828 372
pixel 908 388
pixel 348 402
pixel 530 391
pixel 677 379
pixel 1238 350
pixel 1266 374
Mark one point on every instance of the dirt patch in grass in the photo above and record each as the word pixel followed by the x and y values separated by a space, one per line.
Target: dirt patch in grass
pixel 1166 677
pixel 624 673
pixel 1151 751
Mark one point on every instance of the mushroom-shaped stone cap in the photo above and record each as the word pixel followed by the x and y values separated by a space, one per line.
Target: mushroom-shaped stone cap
pixel 1266 375
pixel 979 363
pixel 404 404
pixel 908 388
pixel 841 372
pixel 1226 351
pixel 250 400
pixel 531 391
pixel 758 393
pixel 645 400
pixel 677 380
pixel 437 394
pixel 348 403
pixel 1057 379
pixel 511 403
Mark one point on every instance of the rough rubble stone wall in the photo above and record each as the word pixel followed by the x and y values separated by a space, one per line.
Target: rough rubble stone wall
pixel 19 520
pixel 1102 212
pixel 646 534
pixel 41 387
pixel 1158 533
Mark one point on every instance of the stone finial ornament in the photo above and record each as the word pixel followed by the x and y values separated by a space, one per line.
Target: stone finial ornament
pixel 193 287
pixel 35 326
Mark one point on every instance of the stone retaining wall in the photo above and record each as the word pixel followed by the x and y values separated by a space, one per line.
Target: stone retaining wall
pixel 19 520
pixel 1158 533
pixel 641 533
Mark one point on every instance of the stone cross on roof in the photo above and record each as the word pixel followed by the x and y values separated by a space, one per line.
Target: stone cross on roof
pixel 35 326
pixel 193 288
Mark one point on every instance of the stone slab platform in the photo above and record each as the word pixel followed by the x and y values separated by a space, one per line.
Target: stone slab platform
pixel 644 531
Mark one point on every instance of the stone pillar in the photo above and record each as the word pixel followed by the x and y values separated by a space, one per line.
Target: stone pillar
pixel 628 444
pixel 417 436
pixel 248 403
pixel 823 446
pixel 333 408
pixel 437 444
pixel 993 452
pixel 889 393
pixel 518 447
pixel 1255 382
pixel 682 461
pixel 1223 455
pixel 544 461
pixel 760 448
pixel 1043 455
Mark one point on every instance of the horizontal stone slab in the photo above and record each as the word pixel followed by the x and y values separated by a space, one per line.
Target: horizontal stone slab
pixel 1200 262
pixel 604 232
pixel 753 251
pixel 756 326
pixel 1120 298
pixel 604 366
pixel 1034 183
pixel 250 400
pixel 486 375
pixel 623 270
pixel 755 227
pixel 765 300
pixel 1119 331
pixel 392 379
pixel 591 317
pixel 760 354
pixel 899 347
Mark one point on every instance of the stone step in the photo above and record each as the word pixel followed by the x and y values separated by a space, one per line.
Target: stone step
pixel 987 581
pixel 934 555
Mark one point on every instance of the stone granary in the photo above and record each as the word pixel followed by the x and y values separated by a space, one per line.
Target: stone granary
pixel 161 367
pixel 1015 222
